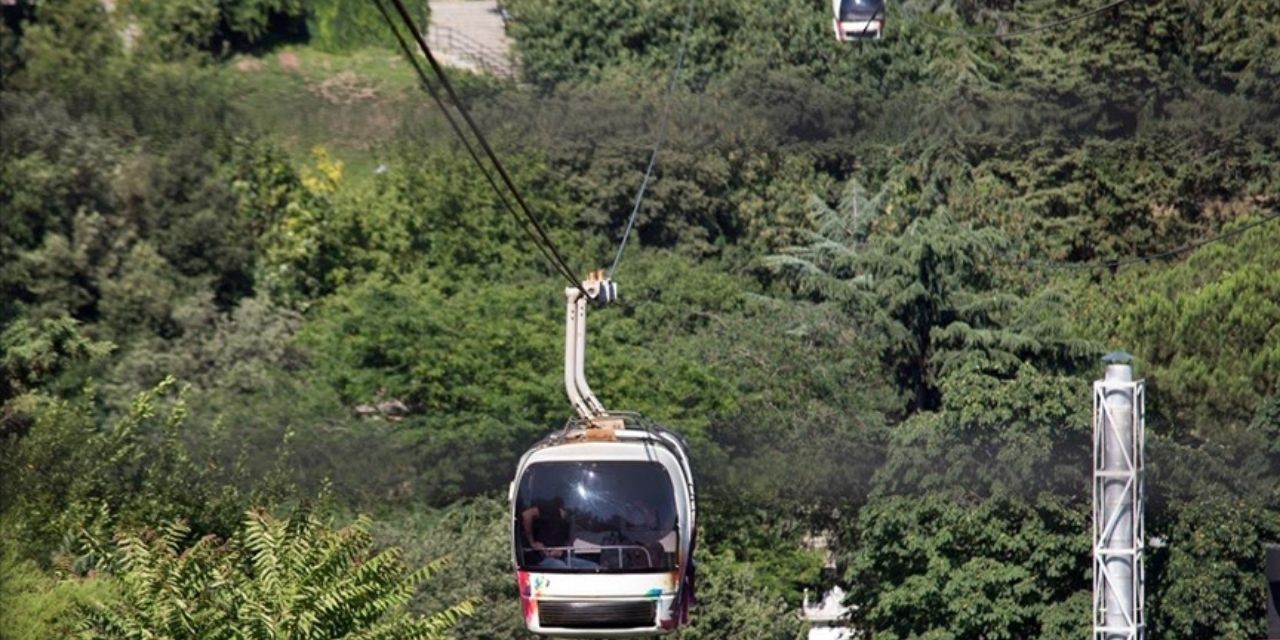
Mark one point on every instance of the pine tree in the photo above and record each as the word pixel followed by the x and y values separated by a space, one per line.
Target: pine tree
pixel 275 578
pixel 928 290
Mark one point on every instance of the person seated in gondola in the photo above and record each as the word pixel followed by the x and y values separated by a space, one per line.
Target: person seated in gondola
pixel 648 538
pixel 546 530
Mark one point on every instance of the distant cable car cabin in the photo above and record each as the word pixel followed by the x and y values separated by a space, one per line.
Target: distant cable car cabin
pixel 858 19
pixel 602 513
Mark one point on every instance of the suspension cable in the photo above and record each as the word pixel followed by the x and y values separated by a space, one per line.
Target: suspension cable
pixel 539 233
pixel 662 136
pixel 1020 32
pixel 1122 262
pixel 457 128
pixel 867 28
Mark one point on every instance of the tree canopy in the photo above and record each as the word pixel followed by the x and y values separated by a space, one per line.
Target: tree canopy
pixel 251 289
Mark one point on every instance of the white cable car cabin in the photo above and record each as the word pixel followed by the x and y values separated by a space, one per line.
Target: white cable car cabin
pixel 603 515
pixel 858 19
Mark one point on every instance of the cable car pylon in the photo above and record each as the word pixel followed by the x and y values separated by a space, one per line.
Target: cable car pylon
pixel 603 517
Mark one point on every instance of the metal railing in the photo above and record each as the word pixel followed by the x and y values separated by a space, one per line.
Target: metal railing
pixel 483 57
pixel 567 554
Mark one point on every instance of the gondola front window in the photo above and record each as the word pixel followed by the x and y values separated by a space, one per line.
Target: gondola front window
pixel 861 9
pixel 596 517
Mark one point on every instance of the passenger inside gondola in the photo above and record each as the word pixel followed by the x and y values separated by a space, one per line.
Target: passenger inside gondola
pixel 596 516
pixel 654 545
pixel 547 533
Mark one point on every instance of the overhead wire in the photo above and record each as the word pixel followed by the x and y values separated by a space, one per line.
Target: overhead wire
pixel 1021 32
pixel 867 28
pixel 457 129
pixel 1107 264
pixel 1116 264
pixel 539 234
pixel 662 135
pixel 533 227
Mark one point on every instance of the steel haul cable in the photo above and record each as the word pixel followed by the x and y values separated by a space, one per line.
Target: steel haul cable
pixel 662 135
pixel 475 156
pixel 539 234
pixel 1115 264
pixel 1021 32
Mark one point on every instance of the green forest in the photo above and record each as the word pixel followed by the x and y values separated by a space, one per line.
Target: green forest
pixel 871 283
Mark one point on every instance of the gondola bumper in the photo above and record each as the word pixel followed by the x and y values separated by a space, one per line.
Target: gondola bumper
pixel 869 28
pixel 598 605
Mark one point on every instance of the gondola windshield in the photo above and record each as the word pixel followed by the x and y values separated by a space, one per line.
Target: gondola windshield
pixel 596 517
pixel 860 9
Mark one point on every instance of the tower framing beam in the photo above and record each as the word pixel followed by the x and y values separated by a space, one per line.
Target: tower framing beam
pixel 1119 528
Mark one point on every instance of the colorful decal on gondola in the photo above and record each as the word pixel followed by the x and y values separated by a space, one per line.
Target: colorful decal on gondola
pixel 527 607
pixel 531 588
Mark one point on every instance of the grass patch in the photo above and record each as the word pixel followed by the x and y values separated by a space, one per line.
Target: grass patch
pixel 352 104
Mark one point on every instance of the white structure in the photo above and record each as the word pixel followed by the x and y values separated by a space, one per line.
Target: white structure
pixel 602 512
pixel 1119 434
pixel 827 619
pixel 858 19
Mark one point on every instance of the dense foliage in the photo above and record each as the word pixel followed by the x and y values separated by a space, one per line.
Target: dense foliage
pixel 250 287
pixel 275 578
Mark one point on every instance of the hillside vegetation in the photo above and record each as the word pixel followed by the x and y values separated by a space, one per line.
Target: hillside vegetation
pixel 871 283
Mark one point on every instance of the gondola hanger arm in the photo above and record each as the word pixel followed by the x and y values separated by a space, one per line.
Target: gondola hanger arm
pixel 598 288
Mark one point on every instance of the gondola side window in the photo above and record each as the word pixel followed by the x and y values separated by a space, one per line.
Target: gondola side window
pixel 596 517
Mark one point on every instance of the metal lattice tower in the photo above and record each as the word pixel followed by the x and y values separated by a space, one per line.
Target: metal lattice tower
pixel 1119 531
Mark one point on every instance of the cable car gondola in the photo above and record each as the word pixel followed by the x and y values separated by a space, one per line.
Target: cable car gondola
pixel 858 19
pixel 602 513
